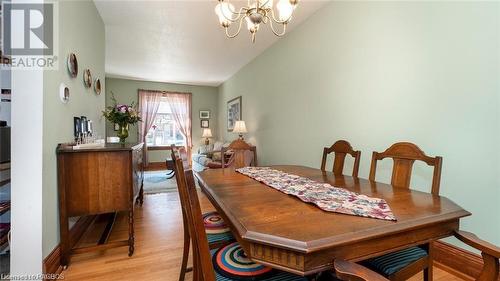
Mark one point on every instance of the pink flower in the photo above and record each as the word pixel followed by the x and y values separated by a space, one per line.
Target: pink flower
pixel 123 109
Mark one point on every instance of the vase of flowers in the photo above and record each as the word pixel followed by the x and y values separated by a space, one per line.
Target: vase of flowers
pixel 123 115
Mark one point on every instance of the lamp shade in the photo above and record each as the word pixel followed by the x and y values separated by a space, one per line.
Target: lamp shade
pixel 207 133
pixel 239 127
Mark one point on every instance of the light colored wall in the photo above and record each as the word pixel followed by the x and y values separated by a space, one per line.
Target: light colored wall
pixel 26 174
pixel 81 31
pixel 203 98
pixel 376 73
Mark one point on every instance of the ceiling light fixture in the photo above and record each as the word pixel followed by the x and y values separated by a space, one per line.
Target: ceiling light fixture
pixel 255 13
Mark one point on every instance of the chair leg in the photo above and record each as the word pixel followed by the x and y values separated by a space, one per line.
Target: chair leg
pixel 185 255
pixel 428 272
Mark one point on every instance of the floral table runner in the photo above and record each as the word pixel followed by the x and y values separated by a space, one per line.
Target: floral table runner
pixel 323 195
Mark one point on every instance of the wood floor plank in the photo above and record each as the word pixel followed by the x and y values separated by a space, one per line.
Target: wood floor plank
pixel 158 246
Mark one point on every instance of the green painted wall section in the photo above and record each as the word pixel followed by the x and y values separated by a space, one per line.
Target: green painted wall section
pixel 81 31
pixel 377 73
pixel 203 98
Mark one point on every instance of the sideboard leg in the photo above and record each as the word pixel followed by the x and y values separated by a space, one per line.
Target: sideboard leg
pixel 141 196
pixel 131 232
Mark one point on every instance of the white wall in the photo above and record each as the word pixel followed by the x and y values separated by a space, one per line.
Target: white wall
pixel 26 174
pixel 376 73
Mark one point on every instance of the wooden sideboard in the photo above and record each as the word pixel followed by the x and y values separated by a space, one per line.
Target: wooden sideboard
pixel 98 181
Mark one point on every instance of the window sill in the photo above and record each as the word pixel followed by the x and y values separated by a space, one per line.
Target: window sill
pixel 161 147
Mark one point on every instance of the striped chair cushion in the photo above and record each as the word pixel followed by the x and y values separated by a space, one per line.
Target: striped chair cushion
pixel 231 263
pixel 220 237
pixel 391 263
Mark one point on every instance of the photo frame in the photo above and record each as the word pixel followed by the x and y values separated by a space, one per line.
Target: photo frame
pixel 77 127
pixel 205 123
pixel 234 112
pixel 6 95
pixel 204 114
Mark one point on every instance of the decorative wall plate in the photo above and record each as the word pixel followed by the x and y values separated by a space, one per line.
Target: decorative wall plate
pixel 97 86
pixel 87 78
pixel 64 93
pixel 72 65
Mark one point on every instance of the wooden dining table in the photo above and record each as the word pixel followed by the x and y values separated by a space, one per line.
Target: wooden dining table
pixel 283 232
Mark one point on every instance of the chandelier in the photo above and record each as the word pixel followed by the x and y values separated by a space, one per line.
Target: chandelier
pixel 255 13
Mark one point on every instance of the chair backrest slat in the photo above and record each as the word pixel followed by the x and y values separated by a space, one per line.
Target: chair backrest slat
pixel 202 262
pixel 404 154
pixel 341 148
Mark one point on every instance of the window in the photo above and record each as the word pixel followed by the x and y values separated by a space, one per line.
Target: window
pixel 164 131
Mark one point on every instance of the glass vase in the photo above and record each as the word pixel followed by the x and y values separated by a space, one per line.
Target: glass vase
pixel 122 132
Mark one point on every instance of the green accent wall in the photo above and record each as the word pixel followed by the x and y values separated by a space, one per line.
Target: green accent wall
pixel 203 98
pixel 81 31
pixel 375 73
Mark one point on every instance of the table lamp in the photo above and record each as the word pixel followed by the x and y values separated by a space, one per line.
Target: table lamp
pixel 240 128
pixel 207 133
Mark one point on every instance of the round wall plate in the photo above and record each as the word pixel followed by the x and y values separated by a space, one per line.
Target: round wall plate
pixel 97 86
pixel 72 65
pixel 87 78
pixel 64 93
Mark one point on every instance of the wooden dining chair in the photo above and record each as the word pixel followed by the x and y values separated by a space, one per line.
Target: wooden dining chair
pixel 341 148
pixel 218 233
pixel 348 271
pixel 404 154
pixel 243 155
pixel 401 265
pixel 228 262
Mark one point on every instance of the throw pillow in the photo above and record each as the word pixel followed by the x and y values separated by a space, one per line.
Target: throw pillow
pixel 218 146
pixel 216 156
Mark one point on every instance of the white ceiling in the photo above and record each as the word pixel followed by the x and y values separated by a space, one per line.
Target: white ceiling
pixel 180 41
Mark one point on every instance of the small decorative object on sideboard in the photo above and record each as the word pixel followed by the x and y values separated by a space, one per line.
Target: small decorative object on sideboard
pixel 84 133
pixel 205 123
pixel 207 134
pixel 87 78
pixel 240 128
pixel 123 115
pixel 72 65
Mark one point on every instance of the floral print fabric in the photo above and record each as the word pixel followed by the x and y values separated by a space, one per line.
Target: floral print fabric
pixel 323 195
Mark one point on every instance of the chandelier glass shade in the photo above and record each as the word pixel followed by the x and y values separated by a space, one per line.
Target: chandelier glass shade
pixel 255 13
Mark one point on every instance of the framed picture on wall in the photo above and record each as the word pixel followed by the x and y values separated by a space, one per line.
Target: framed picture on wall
pixel 233 112
pixel 205 124
pixel 204 114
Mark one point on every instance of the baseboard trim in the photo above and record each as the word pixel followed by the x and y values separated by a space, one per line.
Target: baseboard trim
pixel 52 263
pixel 155 166
pixel 457 261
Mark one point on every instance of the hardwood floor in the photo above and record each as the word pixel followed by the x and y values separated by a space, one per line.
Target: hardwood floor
pixel 158 246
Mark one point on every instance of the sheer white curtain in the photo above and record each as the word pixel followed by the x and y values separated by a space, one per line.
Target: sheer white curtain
pixel 180 105
pixel 149 102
